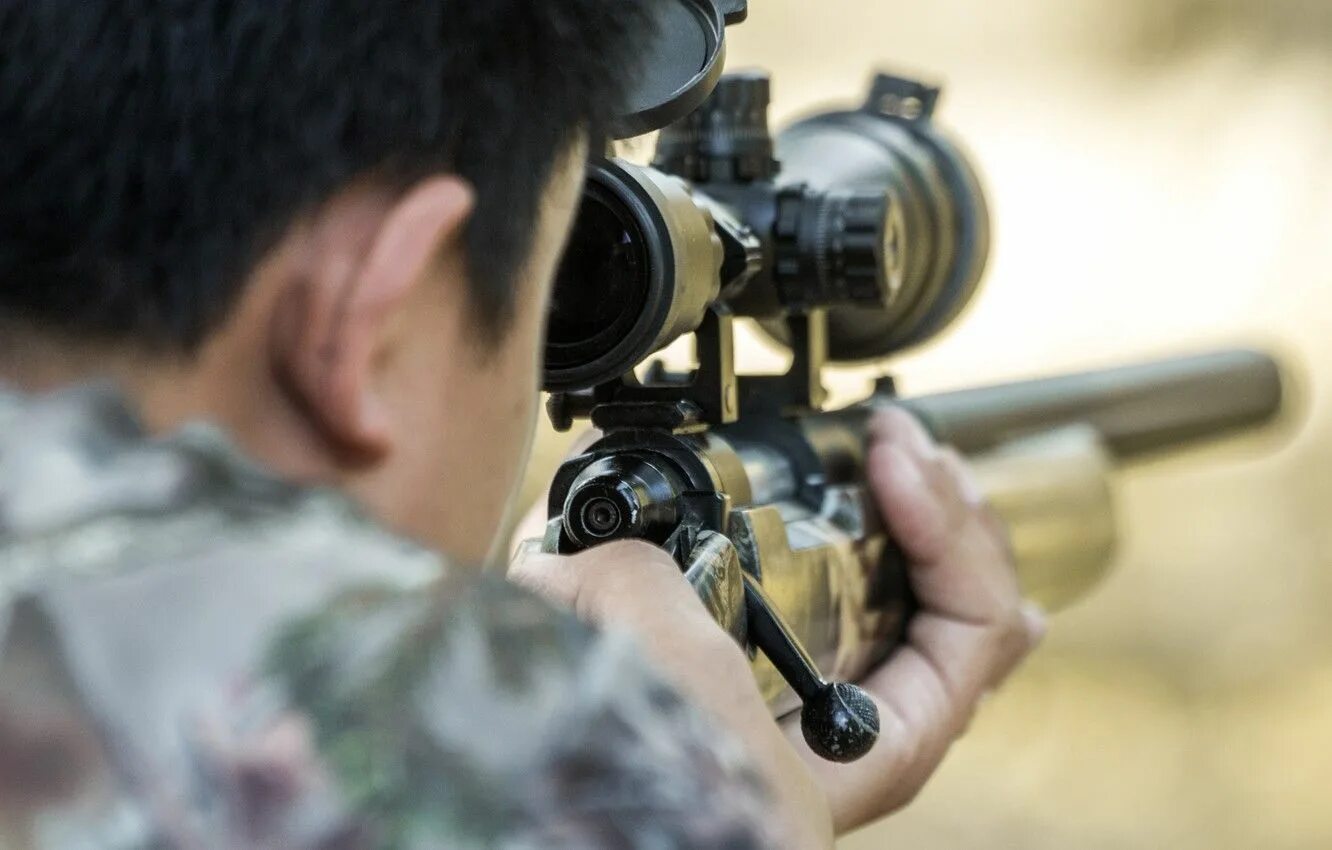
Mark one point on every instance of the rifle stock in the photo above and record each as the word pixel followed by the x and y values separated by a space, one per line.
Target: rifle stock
pixel 791 497
pixel 1045 451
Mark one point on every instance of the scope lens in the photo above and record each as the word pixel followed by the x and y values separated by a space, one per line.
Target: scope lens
pixel 639 272
pixel 602 285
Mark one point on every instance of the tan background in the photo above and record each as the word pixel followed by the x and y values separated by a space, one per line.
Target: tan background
pixel 1161 177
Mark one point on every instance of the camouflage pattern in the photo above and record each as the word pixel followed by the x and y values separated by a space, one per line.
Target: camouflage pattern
pixel 193 654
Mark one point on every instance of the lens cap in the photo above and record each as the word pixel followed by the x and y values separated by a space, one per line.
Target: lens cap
pixel 681 66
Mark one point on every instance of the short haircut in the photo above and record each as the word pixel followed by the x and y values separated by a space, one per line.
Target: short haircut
pixel 152 152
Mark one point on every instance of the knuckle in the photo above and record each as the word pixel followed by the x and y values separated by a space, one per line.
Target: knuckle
pixel 999 533
pixel 644 557
pixel 1016 634
pixel 630 567
pixel 910 794
pixel 1011 643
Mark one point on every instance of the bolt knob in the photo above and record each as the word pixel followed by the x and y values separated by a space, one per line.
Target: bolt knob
pixel 841 723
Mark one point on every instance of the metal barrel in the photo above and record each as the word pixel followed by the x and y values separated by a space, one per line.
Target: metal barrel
pixel 1137 410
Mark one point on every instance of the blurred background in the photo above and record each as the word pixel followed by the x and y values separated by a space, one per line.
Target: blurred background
pixel 1160 173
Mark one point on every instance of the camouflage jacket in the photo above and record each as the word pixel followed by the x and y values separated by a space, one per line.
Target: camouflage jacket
pixel 193 654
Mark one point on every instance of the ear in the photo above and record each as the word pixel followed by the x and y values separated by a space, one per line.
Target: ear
pixel 361 261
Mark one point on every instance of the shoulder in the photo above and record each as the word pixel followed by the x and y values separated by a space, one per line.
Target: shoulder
pixel 547 733
pixel 222 631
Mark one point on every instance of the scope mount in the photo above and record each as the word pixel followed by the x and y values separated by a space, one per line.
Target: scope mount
pixel 710 395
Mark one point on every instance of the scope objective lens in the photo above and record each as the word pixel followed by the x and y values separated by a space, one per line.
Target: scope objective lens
pixel 602 284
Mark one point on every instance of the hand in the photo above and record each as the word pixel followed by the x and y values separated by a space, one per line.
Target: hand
pixel 970 632
pixel 638 587
pixel 971 629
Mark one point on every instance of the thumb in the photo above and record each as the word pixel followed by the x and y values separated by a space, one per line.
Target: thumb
pixel 628 581
pixel 552 577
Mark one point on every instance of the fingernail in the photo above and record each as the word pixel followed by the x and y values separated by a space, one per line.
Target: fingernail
pixel 894 423
pixel 526 549
pixel 1036 620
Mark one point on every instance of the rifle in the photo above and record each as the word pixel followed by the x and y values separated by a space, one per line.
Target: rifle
pixel 849 236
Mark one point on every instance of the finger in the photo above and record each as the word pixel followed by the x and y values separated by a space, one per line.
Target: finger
pixel 967 660
pixel 552 577
pixel 961 560
pixel 963 481
pixel 1037 623
pixel 918 494
pixel 1031 630
pixel 616 583
pixel 917 519
pixel 895 425
pixel 975 498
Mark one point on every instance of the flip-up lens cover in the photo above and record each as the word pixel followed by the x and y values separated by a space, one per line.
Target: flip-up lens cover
pixel 680 66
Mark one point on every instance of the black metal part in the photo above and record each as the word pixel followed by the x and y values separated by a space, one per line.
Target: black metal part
pixel 726 140
pixel 673 403
pixel 819 248
pixel 736 11
pixel 680 66
pixel 664 467
pixel 623 496
pixel 840 247
pixel 839 721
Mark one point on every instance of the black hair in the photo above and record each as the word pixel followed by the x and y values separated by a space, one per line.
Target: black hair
pixel 151 151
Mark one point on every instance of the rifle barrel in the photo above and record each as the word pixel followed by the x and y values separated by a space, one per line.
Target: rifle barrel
pixel 1138 410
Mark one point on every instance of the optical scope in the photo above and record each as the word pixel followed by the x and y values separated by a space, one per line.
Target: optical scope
pixel 873 214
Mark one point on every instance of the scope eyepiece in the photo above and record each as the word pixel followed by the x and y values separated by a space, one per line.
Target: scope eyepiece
pixel 618 295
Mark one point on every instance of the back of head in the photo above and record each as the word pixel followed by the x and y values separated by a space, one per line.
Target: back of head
pixel 152 152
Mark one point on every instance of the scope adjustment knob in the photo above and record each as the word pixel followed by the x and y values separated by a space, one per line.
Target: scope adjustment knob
pixel 835 248
pixel 727 138
pixel 857 245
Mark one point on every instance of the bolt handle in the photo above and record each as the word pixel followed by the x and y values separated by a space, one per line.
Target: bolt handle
pixel 840 721
pixel 841 724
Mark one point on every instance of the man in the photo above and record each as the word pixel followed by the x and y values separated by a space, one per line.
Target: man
pixel 327 229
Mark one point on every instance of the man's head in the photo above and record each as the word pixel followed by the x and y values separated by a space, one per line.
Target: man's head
pixel 328 225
